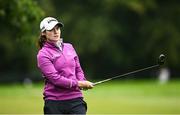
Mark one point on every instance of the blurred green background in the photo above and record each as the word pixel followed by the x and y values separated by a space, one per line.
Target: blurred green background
pixel 111 37
pixel 120 97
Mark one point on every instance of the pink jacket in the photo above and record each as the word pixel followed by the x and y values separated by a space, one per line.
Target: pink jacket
pixel 61 71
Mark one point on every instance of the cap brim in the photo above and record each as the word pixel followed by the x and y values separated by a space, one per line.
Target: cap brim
pixel 60 24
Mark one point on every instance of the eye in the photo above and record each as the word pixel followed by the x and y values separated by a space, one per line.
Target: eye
pixel 57 27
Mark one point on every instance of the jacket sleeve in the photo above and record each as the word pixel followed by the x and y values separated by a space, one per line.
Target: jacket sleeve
pixel 51 74
pixel 79 72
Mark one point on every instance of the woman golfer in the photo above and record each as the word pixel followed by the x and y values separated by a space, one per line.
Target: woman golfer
pixel 61 70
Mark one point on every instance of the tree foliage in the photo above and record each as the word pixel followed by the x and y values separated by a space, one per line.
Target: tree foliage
pixel 19 20
pixel 115 35
pixel 110 36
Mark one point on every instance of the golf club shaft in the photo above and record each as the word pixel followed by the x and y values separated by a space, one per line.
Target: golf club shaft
pixel 136 71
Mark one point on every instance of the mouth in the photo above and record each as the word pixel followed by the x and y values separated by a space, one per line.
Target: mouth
pixel 56 36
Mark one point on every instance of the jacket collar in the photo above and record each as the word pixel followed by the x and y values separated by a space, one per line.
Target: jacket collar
pixel 58 44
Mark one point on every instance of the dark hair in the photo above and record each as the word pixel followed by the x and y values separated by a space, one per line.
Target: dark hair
pixel 41 41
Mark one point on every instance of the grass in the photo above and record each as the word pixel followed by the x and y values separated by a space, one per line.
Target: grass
pixel 120 97
pixel 16 99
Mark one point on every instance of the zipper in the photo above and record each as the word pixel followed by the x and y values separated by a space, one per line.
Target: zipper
pixel 61 52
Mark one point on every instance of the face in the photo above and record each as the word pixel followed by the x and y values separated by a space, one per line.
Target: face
pixel 53 35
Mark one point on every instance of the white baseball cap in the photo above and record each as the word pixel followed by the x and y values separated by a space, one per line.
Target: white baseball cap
pixel 48 23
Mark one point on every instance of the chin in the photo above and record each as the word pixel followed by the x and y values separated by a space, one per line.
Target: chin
pixel 56 39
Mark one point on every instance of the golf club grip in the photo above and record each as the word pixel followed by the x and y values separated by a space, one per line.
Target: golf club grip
pixel 136 71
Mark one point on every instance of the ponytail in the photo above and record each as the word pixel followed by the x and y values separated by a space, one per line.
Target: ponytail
pixel 41 41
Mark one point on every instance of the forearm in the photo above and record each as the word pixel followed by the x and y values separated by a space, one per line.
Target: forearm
pixel 61 81
pixel 53 76
pixel 79 72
